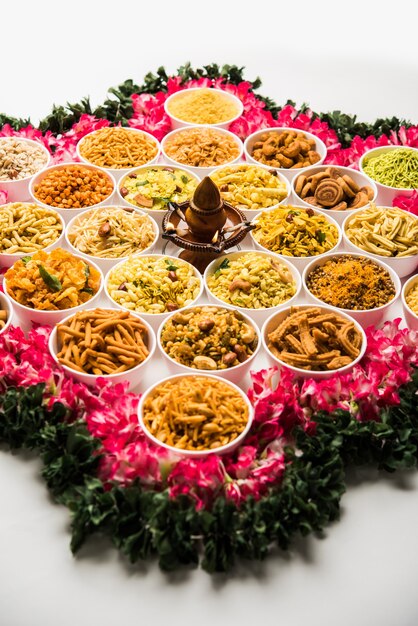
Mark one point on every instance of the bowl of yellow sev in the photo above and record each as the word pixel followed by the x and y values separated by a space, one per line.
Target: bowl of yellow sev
pixel 194 415
pixel 394 170
pixel 203 105
pixel 118 149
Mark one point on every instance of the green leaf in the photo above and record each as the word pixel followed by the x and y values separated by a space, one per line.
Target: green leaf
pixel 51 281
pixel 26 259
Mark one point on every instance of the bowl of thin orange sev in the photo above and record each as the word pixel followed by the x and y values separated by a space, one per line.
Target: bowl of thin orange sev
pixel 195 415
pixel 118 149
pixel 93 343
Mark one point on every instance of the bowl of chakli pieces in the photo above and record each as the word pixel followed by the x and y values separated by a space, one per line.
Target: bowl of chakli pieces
pixel 313 341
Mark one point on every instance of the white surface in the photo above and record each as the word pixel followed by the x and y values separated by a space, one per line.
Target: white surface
pixel 351 56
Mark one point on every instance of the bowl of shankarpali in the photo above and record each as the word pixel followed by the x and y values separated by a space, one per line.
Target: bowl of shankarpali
pixel 92 343
pixel 118 149
pixel 387 234
pixel 111 234
pixel 203 105
pixel 313 341
pixel 195 415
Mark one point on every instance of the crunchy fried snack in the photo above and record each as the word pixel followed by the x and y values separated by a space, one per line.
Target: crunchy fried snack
pixel 311 339
pixel 112 233
pixel 288 149
pixel 249 187
pixel 295 232
pixel 3 319
pixel 52 281
pixel 330 189
pixel 202 106
pixel 389 232
pixel 208 338
pixel 202 147
pixel 103 341
pixel 118 148
pixel 195 413
pixel 73 187
pixel 27 227
pixel 411 299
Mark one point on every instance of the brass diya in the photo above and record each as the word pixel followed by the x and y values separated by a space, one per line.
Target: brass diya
pixel 205 226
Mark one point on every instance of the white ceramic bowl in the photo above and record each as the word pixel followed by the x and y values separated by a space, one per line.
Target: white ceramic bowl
pixel 6 305
pixel 201 171
pixel 234 374
pixel 134 376
pixel 7 260
pixel 177 122
pixel 411 318
pixel 27 315
pixel 104 263
pixel 156 214
pixel 358 177
pixel 403 265
pixel 385 194
pixel 68 214
pixel 118 173
pixel 18 190
pixel 154 319
pixel 300 262
pixel 257 315
pixel 320 147
pixel 277 318
pixel 197 453
pixel 250 213
pixel 365 317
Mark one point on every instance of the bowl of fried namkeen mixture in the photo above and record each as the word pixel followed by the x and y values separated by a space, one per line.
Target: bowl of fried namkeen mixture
pixel 195 415
pixel 44 286
pixel 93 343
pixel 118 149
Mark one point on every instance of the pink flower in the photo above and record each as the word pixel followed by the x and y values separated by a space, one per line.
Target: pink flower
pixel 407 203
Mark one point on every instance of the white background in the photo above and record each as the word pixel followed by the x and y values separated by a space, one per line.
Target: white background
pixel 335 55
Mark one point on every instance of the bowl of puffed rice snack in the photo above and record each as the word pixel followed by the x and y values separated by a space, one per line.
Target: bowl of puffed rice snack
pixel 20 160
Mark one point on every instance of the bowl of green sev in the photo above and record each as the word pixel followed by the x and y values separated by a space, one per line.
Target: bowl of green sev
pixel 394 170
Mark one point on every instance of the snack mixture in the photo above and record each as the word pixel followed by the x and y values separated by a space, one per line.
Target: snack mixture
pixel 332 189
pixel 118 148
pixel 26 227
pixel 112 233
pixel 252 281
pixel 52 281
pixel 208 338
pixel 201 147
pixel 251 187
pixel 396 168
pixel 20 159
pixel 355 283
pixel 3 319
pixel 195 413
pixel 102 341
pixel 153 284
pixel 73 187
pixel 154 187
pixel 289 149
pixel 316 340
pixel 295 232
pixel 202 106
pixel 388 232
pixel 411 299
